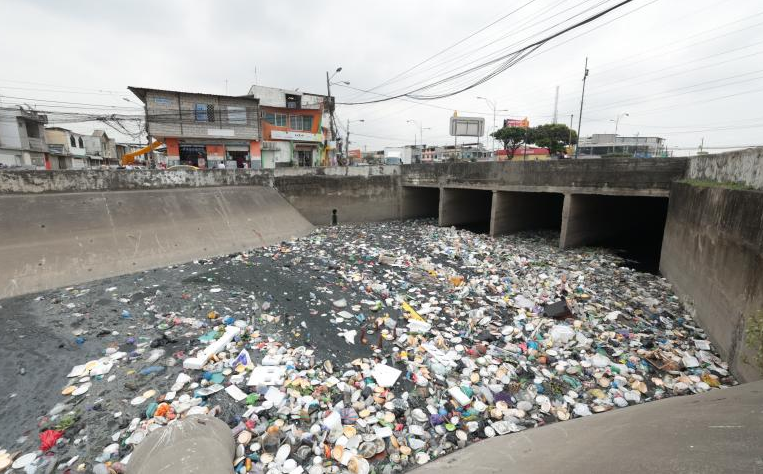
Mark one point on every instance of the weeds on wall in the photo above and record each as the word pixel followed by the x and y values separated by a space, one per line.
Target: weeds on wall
pixel 754 337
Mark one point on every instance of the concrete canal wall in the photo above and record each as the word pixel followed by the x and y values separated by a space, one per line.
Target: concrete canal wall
pixel 49 240
pixel 712 253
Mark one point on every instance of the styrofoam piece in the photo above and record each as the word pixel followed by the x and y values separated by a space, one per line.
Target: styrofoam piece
pixel 267 375
pixel 385 375
pixel 196 363
pixel 418 326
pixel 235 392
pixel 460 396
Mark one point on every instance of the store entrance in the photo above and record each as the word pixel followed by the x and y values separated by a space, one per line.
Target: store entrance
pixel 240 157
pixel 194 155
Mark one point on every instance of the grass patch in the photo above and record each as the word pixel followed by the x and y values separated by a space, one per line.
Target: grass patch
pixel 754 338
pixel 717 184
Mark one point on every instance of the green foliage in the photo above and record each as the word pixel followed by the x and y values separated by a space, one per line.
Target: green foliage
pixel 511 137
pixel 554 136
pixel 754 337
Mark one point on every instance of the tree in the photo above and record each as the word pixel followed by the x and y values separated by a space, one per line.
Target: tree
pixel 554 136
pixel 511 137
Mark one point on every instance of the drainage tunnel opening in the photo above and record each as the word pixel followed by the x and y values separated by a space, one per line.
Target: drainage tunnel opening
pixel 631 226
pixel 467 209
pixel 420 202
pixel 515 211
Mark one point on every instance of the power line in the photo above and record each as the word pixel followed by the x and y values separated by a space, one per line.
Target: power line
pixel 509 60
pixel 454 44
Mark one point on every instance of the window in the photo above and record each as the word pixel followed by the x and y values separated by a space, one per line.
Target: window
pixel 200 112
pixel 293 101
pixel 301 122
pixel 71 140
pixel 237 115
pixel 204 112
pixel 279 120
pixel 32 129
pixel 81 145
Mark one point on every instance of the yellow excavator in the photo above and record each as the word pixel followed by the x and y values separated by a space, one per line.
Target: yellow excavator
pixel 129 158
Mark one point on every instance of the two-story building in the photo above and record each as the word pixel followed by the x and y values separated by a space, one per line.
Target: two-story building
pixel 204 130
pixel 101 150
pixel 67 149
pixel 22 138
pixel 295 128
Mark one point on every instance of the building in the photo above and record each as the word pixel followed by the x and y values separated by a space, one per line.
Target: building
pixel 22 138
pixel 603 144
pixel 204 130
pixel 464 152
pixel 531 153
pixel 396 155
pixel 67 149
pixel 101 150
pixel 296 128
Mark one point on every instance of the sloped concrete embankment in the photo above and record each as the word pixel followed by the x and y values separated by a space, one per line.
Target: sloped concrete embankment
pixel 52 240
pixel 717 431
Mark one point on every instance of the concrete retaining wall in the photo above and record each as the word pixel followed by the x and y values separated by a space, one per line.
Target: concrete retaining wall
pixel 51 240
pixel 602 176
pixel 712 253
pixel 356 198
pixel 743 166
pixel 62 181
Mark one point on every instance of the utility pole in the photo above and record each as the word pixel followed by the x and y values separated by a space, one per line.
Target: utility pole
pixel 580 115
pixel 569 141
pixel 556 104
pixel 347 144
pixel 330 102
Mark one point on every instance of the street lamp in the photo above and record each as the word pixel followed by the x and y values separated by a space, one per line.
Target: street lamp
pixel 330 103
pixel 347 145
pixel 493 105
pixel 421 133
pixel 617 120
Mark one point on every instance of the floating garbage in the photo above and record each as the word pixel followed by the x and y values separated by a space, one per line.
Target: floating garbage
pixel 371 348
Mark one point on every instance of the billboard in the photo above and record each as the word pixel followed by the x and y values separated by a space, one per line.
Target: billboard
pixel 523 123
pixel 467 126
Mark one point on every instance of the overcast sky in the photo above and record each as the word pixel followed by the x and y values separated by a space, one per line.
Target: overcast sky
pixel 680 69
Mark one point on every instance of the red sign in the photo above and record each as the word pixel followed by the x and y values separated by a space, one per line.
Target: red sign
pixel 524 123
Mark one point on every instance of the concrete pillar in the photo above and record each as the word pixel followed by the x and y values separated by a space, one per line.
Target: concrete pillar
pixel 464 206
pixel 579 216
pixel 514 211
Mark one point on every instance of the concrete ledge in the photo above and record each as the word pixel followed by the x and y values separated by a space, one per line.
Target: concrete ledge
pixel 718 431
pixel 599 175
